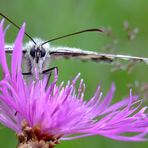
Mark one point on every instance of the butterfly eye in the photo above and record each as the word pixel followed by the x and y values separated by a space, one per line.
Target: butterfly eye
pixel 43 52
pixel 32 52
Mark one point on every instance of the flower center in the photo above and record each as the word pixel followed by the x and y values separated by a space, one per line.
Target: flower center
pixel 34 138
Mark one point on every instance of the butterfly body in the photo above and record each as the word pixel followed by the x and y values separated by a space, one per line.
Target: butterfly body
pixel 35 56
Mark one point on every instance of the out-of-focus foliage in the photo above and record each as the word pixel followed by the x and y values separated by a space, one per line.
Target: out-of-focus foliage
pixel 50 18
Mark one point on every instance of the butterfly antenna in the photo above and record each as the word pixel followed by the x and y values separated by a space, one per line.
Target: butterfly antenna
pixel 18 27
pixel 71 34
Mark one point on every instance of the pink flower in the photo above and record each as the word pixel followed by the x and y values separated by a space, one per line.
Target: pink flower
pixel 46 115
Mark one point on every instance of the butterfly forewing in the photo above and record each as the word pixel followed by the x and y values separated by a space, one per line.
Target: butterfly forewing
pixel 66 52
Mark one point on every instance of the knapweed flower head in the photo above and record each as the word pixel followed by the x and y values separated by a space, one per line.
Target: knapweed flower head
pixel 42 115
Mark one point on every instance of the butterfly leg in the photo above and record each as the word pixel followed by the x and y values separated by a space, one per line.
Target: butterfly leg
pixel 49 72
pixel 27 74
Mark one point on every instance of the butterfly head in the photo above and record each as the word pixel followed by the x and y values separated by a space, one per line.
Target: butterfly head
pixel 37 53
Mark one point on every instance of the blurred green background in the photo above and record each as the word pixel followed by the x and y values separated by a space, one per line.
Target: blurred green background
pixel 50 18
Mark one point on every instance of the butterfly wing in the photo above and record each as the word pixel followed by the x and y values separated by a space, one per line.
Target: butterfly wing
pixel 66 52
pixel 26 63
pixel 9 49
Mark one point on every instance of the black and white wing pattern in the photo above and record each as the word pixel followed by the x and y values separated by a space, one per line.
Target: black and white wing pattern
pixel 9 49
pixel 66 52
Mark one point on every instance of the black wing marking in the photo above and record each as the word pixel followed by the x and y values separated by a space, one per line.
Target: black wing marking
pixel 66 52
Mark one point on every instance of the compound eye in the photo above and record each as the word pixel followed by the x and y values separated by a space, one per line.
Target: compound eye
pixel 32 52
pixel 43 52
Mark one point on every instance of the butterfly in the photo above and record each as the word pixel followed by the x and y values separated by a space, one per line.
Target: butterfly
pixel 38 54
